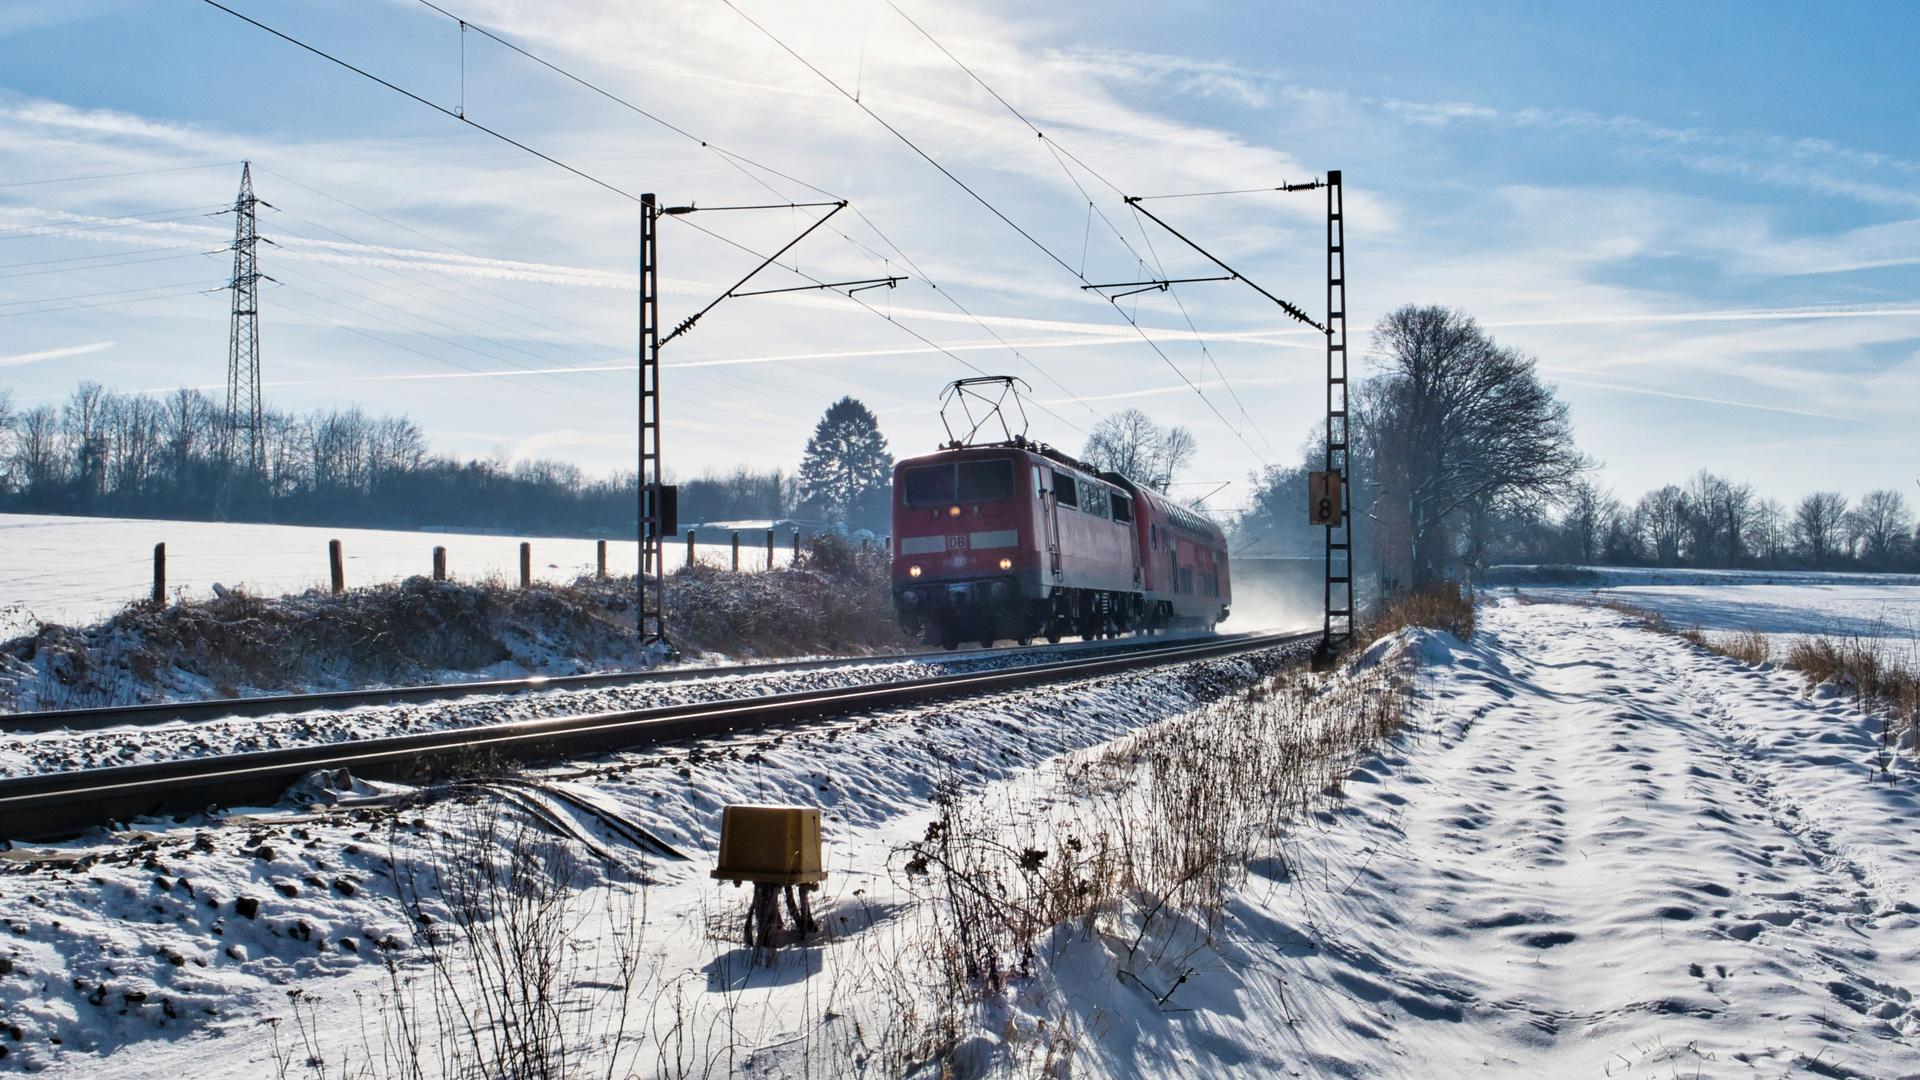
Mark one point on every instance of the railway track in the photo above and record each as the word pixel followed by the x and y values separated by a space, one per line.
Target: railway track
pixel 276 704
pixel 57 805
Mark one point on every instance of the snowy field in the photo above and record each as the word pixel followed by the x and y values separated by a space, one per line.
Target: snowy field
pixel 1782 605
pixel 79 570
pixel 1597 851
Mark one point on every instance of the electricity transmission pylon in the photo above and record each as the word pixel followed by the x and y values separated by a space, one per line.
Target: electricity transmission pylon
pixel 244 438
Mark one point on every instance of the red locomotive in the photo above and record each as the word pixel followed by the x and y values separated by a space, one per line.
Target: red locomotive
pixel 1018 540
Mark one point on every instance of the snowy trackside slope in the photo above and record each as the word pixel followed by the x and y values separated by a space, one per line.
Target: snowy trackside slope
pixel 1600 852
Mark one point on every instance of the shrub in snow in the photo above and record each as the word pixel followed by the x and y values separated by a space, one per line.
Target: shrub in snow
pixel 419 630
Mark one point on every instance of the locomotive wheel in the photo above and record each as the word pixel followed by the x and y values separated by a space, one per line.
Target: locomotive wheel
pixel 949 640
pixel 1053 637
pixel 1023 642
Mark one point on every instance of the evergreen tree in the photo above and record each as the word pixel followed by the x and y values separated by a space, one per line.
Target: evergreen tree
pixel 847 471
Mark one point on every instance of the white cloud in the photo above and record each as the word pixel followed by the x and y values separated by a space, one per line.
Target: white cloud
pixel 18 359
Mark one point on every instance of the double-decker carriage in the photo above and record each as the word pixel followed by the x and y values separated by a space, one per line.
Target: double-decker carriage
pixel 1018 540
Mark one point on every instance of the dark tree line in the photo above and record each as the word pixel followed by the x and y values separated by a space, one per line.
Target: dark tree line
pixel 103 453
pixel 132 455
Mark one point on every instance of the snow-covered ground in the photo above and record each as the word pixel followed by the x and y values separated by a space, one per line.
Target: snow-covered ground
pixel 133 958
pixel 1615 577
pixel 1596 851
pixel 1785 606
pixel 79 570
pixel 1602 852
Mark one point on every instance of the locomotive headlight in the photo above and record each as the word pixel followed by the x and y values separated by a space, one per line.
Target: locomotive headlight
pixel 913 571
pixel 953 511
pixel 1006 564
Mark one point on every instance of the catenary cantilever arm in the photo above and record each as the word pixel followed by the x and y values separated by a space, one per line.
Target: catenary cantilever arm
pixel 687 324
pixel 1134 201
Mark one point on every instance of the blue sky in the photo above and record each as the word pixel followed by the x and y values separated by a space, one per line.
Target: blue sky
pixel 1703 219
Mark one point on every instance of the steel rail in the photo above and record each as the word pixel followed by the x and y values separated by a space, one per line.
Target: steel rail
pixel 56 805
pixel 93 718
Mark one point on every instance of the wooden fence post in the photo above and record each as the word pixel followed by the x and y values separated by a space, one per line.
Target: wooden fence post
pixel 159 574
pixel 439 564
pixel 338 565
pixel 736 553
pixel 769 549
pixel 796 546
pixel 689 547
pixel 602 572
pixel 526 565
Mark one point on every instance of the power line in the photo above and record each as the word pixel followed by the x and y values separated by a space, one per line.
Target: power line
pixel 623 102
pixel 504 138
pixel 910 144
pixel 418 352
pixel 89 296
pixel 103 266
pixel 983 201
pixel 337 266
pixel 736 160
pixel 110 303
pixel 1236 191
pixel 443 243
pixel 437 108
pixel 128 221
pixel 1055 148
pixel 88 258
pixel 116 176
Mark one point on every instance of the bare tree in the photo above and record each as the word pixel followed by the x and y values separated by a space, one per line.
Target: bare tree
pixel 82 421
pixel 38 448
pixel 1456 421
pixel 1131 444
pixel 1718 512
pixel 8 478
pixel 1591 513
pixel 1769 532
pixel 1819 524
pixel 1664 521
pixel 1880 526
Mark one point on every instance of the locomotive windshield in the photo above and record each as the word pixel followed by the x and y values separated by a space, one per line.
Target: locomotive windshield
pixel 929 485
pixel 969 481
pixel 984 480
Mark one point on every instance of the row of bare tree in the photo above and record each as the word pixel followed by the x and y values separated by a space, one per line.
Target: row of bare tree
pixel 102 452
pixel 1462 457
pixel 1711 521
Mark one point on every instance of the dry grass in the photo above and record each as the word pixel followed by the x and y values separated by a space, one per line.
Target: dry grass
pixel 1870 669
pixel 1138 844
pixel 1867 666
pixel 836 600
pixel 1747 646
pixel 1441 605
pixel 529 964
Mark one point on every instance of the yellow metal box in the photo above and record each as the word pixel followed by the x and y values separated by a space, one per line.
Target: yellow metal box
pixel 777 845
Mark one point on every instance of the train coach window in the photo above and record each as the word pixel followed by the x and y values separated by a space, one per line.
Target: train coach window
pixel 928 485
pixel 1065 491
pixel 981 481
pixel 1122 509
